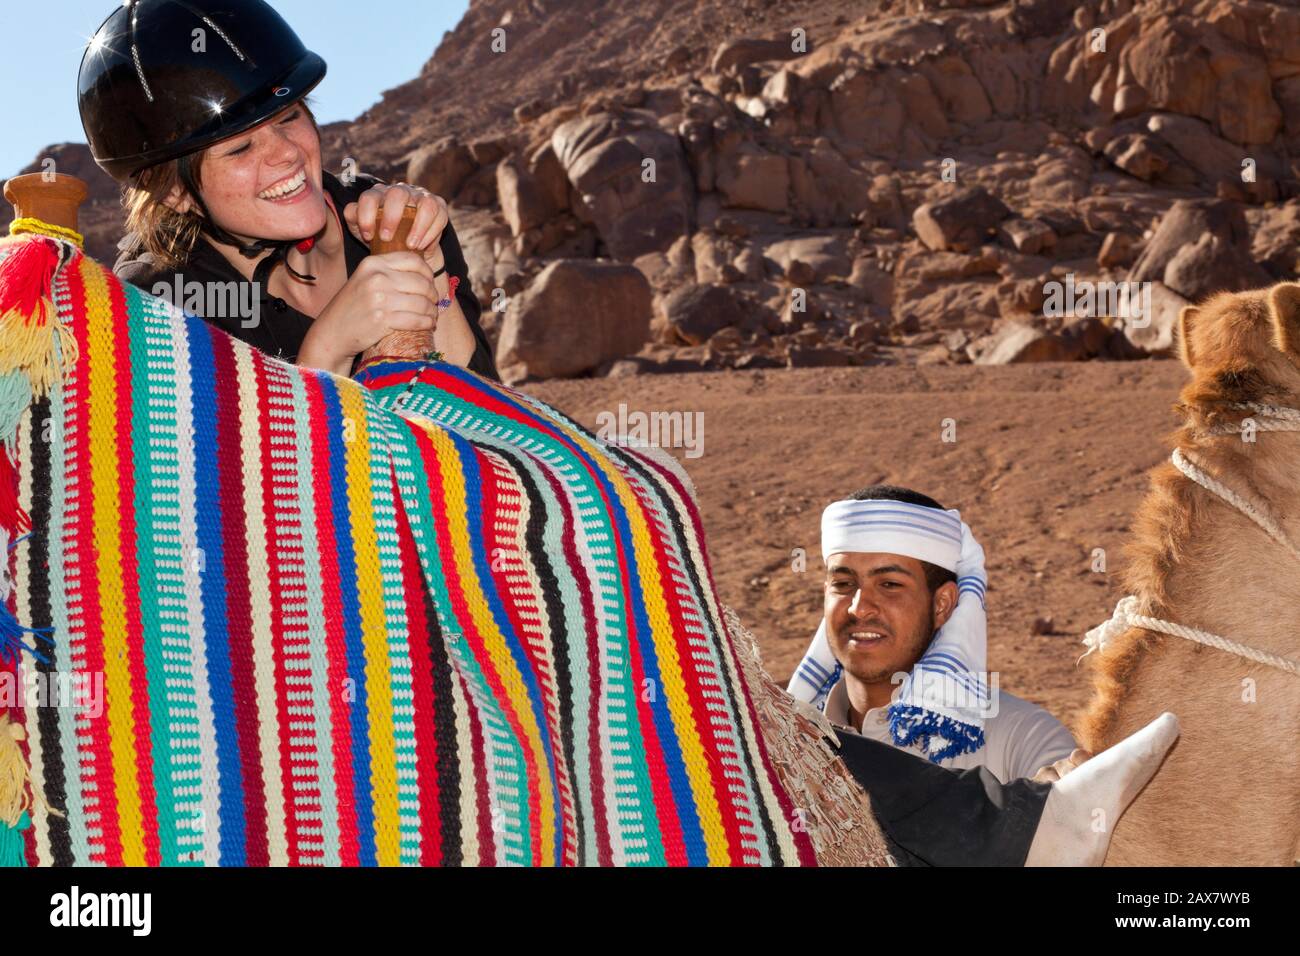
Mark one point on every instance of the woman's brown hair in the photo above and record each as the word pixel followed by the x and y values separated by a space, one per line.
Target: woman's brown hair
pixel 170 236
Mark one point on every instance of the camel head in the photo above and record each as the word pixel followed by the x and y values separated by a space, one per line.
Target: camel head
pixel 1243 346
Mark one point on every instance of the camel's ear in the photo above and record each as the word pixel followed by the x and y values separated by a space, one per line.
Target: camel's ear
pixel 1185 319
pixel 1284 308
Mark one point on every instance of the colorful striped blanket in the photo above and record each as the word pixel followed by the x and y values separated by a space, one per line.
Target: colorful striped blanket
pixel 416 618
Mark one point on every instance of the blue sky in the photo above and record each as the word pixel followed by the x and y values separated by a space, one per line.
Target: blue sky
pixel 370 46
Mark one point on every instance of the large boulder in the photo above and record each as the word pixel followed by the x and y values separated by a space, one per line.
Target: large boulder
pixel 827 189
pixel 1168 61
pixel 1248 114
pixel 943 304
pixel 959 90
pixel 574 316
pixel 697 312
pixel 1209 265
pixel 1213 157
pixel 1275 238
pixel 1018 342
pixel 752 178
pixel 959 221
pixel 1201 246
pixel 441 167
pixel 867 112
pixel 1182 67
pixel 636 207
pixel 531 191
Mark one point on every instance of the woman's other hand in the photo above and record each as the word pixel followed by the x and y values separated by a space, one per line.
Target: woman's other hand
pixel 386 293
pixel 379 210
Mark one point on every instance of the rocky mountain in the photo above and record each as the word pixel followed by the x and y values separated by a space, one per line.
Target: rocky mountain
pixel 757 184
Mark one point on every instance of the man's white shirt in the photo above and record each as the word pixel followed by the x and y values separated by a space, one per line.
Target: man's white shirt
pixel 1018 742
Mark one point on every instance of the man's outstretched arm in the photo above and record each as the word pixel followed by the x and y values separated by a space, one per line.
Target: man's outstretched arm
pixel 937 817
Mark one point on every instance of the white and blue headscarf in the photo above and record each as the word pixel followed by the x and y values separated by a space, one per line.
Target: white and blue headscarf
pixel 943 701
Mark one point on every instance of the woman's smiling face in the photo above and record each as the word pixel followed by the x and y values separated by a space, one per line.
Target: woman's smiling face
pixel 266 183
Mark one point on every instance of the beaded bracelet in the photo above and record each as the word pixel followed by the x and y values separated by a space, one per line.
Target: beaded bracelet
pixel 452 283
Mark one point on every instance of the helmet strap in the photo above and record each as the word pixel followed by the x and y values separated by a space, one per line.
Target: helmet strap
pixel 208 225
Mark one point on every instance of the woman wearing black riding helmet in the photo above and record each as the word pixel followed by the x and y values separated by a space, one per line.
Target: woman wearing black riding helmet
pixel 199 108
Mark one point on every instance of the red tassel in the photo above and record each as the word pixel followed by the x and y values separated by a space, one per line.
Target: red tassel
pixel 32 340
pixel 13 519
pixel 27 278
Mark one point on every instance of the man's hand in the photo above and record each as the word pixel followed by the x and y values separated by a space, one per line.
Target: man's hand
pixel 1054 772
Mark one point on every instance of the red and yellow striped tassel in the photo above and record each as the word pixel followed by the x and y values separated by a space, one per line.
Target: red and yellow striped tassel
pixel 32 340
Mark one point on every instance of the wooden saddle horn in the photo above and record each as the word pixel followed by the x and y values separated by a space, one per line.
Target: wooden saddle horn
pixel 56 200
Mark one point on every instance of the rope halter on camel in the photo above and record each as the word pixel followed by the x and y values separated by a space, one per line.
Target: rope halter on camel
pixel 1275 418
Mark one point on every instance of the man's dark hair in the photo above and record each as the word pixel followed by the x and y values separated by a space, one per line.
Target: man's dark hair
pixel 935 576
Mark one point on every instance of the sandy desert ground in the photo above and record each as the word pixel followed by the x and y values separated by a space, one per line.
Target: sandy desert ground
pixel 1048 464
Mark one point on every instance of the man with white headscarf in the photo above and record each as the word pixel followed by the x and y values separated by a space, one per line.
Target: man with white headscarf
pixel 883 609
pixel 904 602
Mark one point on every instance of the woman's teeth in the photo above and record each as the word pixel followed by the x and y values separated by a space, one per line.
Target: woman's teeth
pixel 289 187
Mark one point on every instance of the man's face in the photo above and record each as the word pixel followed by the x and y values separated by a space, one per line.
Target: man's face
pixel 880 614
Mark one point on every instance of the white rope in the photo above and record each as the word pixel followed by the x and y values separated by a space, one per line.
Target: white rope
pixel 1126 616
pixel 1266 425
pixel 1271 411
pixel 1276 418
pixel 1211 484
